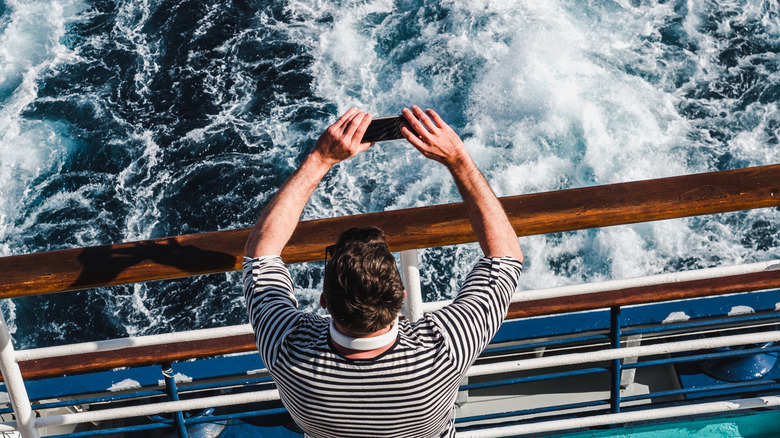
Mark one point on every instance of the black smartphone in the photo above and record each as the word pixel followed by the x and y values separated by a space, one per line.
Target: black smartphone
pixel 384 128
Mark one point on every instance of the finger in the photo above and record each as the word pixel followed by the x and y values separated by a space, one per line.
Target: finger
pixel 436 119
pixel 412 138
pixel 354 123
pixel 343 129
pixel 422 132
pixel 344 119
pixel 358 135
pixel 349 113
pixel 361 131
pixel 424 118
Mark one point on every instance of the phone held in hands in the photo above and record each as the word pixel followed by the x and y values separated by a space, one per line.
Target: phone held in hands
pixel 384 129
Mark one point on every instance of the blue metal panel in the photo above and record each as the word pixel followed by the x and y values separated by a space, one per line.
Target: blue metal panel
pixel 688 325
pixel 552 376
pixel 145 376
pixel 701 307
pixel 554 325
pixel 528 412
pixel 544 326
pixel 708 391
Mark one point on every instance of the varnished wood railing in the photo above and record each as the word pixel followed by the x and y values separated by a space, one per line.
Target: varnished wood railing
pixel 406 229
pixel 414 228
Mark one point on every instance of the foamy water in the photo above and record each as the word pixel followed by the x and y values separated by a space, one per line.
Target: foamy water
pixel 140 119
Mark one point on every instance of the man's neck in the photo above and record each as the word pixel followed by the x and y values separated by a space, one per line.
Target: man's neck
pixel 362 354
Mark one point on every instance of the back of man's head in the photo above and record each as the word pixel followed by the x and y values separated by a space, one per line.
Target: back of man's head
pixel 362 285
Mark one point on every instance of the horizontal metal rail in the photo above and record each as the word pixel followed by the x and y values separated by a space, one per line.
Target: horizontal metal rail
pixel 415 228
pixel 150 409
pixel 166 339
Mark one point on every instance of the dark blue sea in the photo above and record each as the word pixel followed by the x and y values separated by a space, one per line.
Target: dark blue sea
pixel 136 119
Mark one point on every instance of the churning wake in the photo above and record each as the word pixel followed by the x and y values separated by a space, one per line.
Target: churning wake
pixel 127 120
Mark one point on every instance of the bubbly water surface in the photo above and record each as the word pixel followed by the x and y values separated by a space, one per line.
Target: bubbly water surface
pixel 127 120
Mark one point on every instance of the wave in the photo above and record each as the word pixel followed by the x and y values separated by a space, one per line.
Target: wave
pixel 138 119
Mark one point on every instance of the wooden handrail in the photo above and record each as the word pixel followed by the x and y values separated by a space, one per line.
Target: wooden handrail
pixel 140 356
pixel 414 228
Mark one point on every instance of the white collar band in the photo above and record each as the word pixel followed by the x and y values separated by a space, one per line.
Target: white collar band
pixel 363 344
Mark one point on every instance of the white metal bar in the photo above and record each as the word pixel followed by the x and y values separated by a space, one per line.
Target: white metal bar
pixel 624 417
pixel 14 383
pixel 622 353
pixel 413 305
pixel 138 341
pixel 613 285
pixel 150 409
pixel 652 280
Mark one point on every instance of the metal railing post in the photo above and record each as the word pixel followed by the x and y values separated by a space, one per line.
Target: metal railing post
pixel 617 368
pixel 410 272
pixel 14 384
pixel 173 395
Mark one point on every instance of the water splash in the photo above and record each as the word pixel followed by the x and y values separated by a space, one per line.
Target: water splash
pixel 143 119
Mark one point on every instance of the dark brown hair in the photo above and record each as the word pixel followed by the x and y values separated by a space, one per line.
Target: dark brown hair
pixel 362 285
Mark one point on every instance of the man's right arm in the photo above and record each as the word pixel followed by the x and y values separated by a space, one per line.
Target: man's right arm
pixel 439 142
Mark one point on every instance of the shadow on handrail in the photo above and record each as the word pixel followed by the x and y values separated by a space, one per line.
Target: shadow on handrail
pixel 103 264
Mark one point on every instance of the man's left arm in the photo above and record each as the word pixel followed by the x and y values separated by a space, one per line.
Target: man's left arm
pixel 280 217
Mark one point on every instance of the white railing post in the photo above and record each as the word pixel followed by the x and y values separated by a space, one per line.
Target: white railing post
pixel 410 272
pixel 14 384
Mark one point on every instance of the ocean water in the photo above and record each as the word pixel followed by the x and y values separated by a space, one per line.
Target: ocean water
pixel 135 119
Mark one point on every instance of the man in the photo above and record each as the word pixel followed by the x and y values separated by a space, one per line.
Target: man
pixel 363 372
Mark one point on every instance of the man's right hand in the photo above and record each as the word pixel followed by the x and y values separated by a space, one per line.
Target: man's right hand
pixel 280 217
pixel 342 139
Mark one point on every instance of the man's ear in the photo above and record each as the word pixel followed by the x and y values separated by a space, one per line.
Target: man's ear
pixel 323 301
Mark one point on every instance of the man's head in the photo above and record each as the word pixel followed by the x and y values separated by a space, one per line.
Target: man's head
pixel 362 288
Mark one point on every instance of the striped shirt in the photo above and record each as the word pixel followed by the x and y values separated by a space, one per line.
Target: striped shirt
pixel 407 391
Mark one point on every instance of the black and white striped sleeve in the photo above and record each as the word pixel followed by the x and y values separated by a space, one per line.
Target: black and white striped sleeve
pixel 273 309
pixel 471 321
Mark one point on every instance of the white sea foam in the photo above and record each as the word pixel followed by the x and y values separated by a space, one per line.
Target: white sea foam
pixel 547 95
pixel 557 99
pixel 29 47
